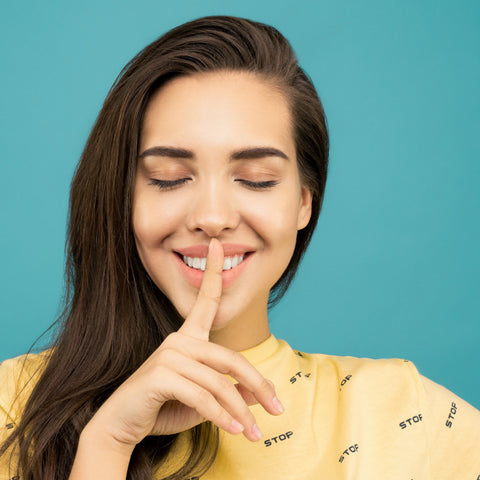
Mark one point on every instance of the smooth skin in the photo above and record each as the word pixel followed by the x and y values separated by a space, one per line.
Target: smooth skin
pixel 212 202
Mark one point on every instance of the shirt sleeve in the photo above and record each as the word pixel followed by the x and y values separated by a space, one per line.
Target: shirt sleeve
pixel 8 393
pixel 17 379
pixel 5 429
pixel 453 430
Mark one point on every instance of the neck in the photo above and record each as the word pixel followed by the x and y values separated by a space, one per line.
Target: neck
pixel 243 332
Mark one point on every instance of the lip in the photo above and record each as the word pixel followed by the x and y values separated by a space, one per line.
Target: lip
pixel 229 250
pixel 194 277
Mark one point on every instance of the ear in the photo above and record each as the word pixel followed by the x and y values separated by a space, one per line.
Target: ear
pixel 305 208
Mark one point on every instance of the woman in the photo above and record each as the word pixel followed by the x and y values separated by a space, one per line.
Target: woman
pixel 195 198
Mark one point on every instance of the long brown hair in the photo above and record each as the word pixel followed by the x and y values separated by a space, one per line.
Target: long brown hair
pixel 114 315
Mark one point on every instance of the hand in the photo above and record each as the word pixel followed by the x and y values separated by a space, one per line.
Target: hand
pixel 183 382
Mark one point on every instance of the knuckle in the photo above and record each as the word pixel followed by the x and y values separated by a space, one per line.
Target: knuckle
pixel 235 358
pixel 160 369
pixel 202 397
pixel 209 296
pixel 155 397
pixel 272 385
pixel 171 340
pixel 234 363
pixel 264 384
pixel 162 355
pixel 165 356
pixel 221 416
pixel 215 298
pixel 224 385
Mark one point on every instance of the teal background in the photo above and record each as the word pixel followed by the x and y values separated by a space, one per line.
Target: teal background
pixel 393 270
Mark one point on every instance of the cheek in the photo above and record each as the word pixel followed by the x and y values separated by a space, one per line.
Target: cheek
pixel 276 226
pixel 275 219
pixel 153 220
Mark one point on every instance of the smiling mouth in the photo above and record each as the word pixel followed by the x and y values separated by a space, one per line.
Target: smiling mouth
pixel 199 263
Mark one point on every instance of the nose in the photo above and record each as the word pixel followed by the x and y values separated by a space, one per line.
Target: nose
pixel 213 210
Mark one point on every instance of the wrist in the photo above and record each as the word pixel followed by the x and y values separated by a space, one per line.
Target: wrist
pixel 99 455
pixel 96 434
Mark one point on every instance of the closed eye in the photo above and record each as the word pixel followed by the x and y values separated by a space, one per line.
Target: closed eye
pixel 258 185
pixel 168 184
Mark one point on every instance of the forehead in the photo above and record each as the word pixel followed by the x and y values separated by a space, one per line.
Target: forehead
pixel 218 108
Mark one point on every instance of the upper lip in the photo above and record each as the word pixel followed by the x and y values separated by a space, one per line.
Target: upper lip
pixel 200 251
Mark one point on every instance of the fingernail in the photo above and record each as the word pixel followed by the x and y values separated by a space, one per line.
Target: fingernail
pixel 236 427
pixel 278 405
pixel 210 246
pixel 256 432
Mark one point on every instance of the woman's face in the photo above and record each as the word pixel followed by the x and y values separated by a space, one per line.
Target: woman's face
pixel 217 159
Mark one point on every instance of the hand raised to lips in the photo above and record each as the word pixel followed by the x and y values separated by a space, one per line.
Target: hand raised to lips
pixel 199 322
pixel 184 382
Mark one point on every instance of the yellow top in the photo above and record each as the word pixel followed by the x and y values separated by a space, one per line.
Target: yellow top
pixel 345 418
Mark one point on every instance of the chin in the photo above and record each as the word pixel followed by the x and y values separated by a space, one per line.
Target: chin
pixel 223 318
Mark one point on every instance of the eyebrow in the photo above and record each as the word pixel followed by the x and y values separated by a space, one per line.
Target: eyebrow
pixel 244 154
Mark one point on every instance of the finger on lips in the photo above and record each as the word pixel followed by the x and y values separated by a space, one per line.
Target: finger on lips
pixel 199 321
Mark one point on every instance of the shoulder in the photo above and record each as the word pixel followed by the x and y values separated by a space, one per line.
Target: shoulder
pixel 388 384
pixel 381 378
pixel 391 384
pixel 354 402
pixel 18 377
pixel 362 374
pixel 396 401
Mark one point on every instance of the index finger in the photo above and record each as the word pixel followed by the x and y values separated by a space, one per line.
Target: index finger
pixel 200 319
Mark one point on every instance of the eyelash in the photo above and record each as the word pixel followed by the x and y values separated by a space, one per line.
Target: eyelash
pixel 259 185
pixel 169 184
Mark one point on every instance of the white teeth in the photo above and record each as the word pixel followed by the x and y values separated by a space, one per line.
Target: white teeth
pixel 201 263
pixel 236 261
pixel 196 263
